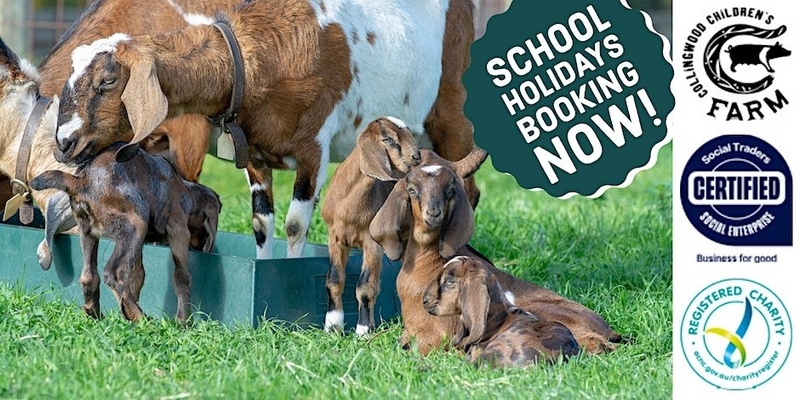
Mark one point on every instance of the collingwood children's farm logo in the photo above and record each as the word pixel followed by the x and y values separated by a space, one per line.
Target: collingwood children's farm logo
pixel 736 334
pixel 730 59
pixel 570 97
pixel 737 190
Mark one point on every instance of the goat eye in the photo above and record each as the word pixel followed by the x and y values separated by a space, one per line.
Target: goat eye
pixel 449 282
pixel 388 140
pixel 449 192
pixel 109 81
pixel 412 191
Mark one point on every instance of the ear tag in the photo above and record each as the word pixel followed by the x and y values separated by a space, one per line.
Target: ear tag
pixel 12 206
pixel 225 148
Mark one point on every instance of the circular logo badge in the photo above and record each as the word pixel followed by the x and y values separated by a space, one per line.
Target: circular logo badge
pixel 730 60
pixel 737 190
pixel 736 334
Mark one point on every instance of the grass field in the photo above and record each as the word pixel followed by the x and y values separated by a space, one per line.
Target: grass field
pixel 613 254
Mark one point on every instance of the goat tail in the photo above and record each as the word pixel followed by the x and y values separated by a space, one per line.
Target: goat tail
pixel 53 180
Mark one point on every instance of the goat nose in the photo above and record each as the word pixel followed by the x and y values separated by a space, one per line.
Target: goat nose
pixel 64 144
pixel 434 212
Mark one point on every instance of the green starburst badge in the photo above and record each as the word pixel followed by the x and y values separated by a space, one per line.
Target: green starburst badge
pixel 570 97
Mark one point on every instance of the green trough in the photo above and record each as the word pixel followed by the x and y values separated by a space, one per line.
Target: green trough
pixel 228 285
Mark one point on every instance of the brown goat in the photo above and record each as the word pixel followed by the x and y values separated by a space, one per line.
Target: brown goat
pixel 315 75
pixel 384 152
pixel 427 220
pixel 142 200
pixel 184 139
pixel 493 329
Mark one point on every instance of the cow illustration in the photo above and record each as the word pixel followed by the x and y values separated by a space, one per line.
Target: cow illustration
pixel 756 54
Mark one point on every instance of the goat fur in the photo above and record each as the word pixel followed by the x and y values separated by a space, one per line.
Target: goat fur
pixel 383 153
pixel 427 220
pixel 19 82
pixel 315 75
pixel 494 330
pixel 183 139
pixel 142 200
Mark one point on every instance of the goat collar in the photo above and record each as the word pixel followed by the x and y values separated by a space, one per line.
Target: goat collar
pixel 22 200
pixel 227 120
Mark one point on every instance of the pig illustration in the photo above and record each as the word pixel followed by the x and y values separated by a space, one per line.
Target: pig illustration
pixel 756 54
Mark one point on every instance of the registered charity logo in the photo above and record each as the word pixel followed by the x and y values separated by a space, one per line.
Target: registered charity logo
pixel 736 334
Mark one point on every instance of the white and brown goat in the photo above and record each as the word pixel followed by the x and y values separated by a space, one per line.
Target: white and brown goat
pixel 316 73
pixel 427 220
pixel 19 82
pixel 493 329
pixel 384 152
pixel 183 140
pixel 142 200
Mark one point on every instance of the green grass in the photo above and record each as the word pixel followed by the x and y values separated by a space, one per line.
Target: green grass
pixel 613 254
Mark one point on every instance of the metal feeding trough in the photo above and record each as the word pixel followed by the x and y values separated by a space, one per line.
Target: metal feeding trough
pixel 228 285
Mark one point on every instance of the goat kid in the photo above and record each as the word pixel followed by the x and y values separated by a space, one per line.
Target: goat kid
pixel 384 152
pixel 183 139
pixel 142 200
pixel 315 75
pixel 493 329
pixel 427 220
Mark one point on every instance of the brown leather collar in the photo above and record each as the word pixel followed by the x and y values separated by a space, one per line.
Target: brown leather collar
pixel 19 184
pixel 227 120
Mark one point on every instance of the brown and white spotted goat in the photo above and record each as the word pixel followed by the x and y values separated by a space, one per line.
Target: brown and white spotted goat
pixel 384 152
pixel 143 199
pixel 316 73
pixel 494 330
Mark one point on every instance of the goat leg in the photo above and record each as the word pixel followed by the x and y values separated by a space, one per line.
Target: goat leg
pixel 260 180
pixel 90 279
pixel 368 287
pixel 123 260
pixel 338 252
pixel 179 244
pixel 310 177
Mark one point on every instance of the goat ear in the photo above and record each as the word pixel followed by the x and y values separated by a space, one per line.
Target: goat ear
pixel 468 165
pixel 144 100
pixel 474 299
pixel 52 179
pixel 391 223
pixel 374 160
pixel 459 225
pixel 8 58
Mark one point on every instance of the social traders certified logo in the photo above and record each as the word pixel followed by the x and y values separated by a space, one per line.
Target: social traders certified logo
pixel 736 334
pixel 730 59
pixel 737 190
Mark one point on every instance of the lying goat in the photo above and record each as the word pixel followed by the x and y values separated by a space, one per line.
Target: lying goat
pixel 315 74
pixel 129 203
pixel 384 152
pixel 427 220
pixel 493 329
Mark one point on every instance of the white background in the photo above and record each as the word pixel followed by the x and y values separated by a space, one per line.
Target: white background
pixel 690 128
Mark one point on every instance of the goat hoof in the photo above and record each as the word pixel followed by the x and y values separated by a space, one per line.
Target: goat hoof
pixel 93 312
pixel 363 331
pixel 334 330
